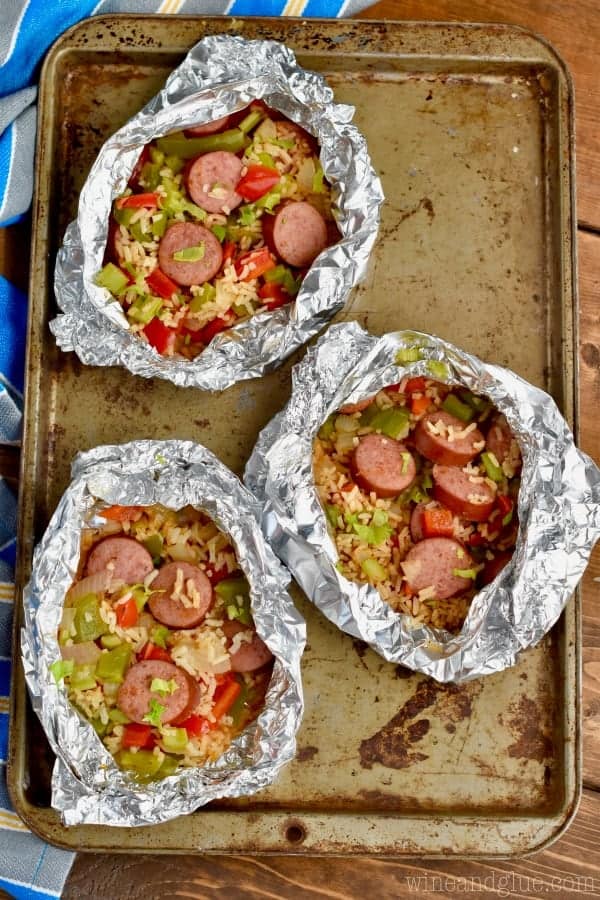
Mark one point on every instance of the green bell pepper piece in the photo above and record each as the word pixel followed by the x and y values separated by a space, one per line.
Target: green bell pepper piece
pixel 112 278
pixel 157 156
pixel 207 295
pixel 492 469
pixel 158 225
pixel 251 120
pixel 394 422
pixel 173 740
pixel 333 513
pixel 175 164
pixel 169 766
pixel 151 174
pixel 220 232
pixel 317 182
pixel 240 708
pixel 267 160
pixel 88 623
pixel 234 594
pixel 144 764
pixel 438 369
pixel 159 635
pixel 144 309
pixel 99 727
pixel 154 545
pixel 326 430
pixel 82 677
pixel 177 144
pixel 453 405
pixel 373 570
pixel 407 355
pixel 123 216
pixel 283 276
pixel 61 669
pixel 112 665
pixel 110 641
pixel 119 718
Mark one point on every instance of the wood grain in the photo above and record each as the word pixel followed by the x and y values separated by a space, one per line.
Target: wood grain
pixel 573 27
pixel 571 865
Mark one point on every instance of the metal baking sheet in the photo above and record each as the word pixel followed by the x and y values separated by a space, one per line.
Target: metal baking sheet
pixel 470 128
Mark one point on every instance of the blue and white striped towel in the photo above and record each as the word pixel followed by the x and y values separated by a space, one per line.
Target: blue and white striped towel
pixel 29 868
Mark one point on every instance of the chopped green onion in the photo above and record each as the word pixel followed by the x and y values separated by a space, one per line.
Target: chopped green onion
pixel 62 669
pixel 457 408
pixel 154 713
pixel 163 687
pixel 267 160
pixel 507 518
pixel 190 254
pixel 407 355
pixel 465 573
pixel 111 278
pixel 269 200
pixel 159 635
pixel 246 215
pixel 376 533
pixel 492 467
pixel 317 182
pixel 110 641
pixel 220 232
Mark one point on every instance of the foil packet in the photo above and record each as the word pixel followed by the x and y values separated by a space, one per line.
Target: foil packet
pixel 87 785
pixel 220 75
pixel 558 505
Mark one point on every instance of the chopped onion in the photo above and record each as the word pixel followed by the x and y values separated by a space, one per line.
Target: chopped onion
pixel 344 443
pixel 182 552
pixel 85 653
pixel 306 173
pixel 346 424
pixel 93 584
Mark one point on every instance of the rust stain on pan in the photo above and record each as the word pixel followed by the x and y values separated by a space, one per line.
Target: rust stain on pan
pixel 306 753
pixel 531 729
pixel 393 745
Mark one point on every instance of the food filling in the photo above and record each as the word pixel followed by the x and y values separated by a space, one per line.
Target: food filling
pixel 218 223
pixel 158 645
pixel 419 485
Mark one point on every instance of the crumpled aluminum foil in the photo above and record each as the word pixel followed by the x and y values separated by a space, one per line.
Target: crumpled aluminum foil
pixel 220 75
pixel 87 785
pixel 559 505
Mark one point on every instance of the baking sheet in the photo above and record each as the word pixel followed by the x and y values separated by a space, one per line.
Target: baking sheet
pixel 476 245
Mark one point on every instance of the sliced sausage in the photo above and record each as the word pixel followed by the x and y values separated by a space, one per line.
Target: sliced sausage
pixel 297 233
pixel 439 447
pixel 181 236
pixel 351 408
pixel 135 696
pixel 433 563
pixel 207 128
pixel 383 465
pixel 252 654
pixel 493 567
pixel 195 698
pixel 212 179
pixel 453 488
pixel 416 522
pixel 169 609
pixel 123 557
pixel 500 440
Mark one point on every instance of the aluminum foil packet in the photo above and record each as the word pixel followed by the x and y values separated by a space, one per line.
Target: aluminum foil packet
pixel 87 785
pixel 220 75
pixel 558 505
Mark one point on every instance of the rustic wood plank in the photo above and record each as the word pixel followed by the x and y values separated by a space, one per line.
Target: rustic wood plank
pixel 574 30
pixel 570 866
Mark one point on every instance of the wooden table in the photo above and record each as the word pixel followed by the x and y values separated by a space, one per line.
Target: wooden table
pixel 572 864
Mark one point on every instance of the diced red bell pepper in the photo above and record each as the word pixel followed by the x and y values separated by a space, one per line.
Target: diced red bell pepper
pixel 127 613
pixel 161 284
pixel 137 201
pixel 415 384
pixel 274 294
pixel 418 405
pixel 159 335
pixel 229 249
pixel 196 725
pixel 152 651
pixel 476 539
pixel 143 158
pixel 135 735
pixel 118 513
pixel 349 486
pixel 437 523
pixel 217 575
pixel 394 388
pixel 504 504
pixel 256 261
pixel 206 334
pixel 225 696
pixel 257 182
